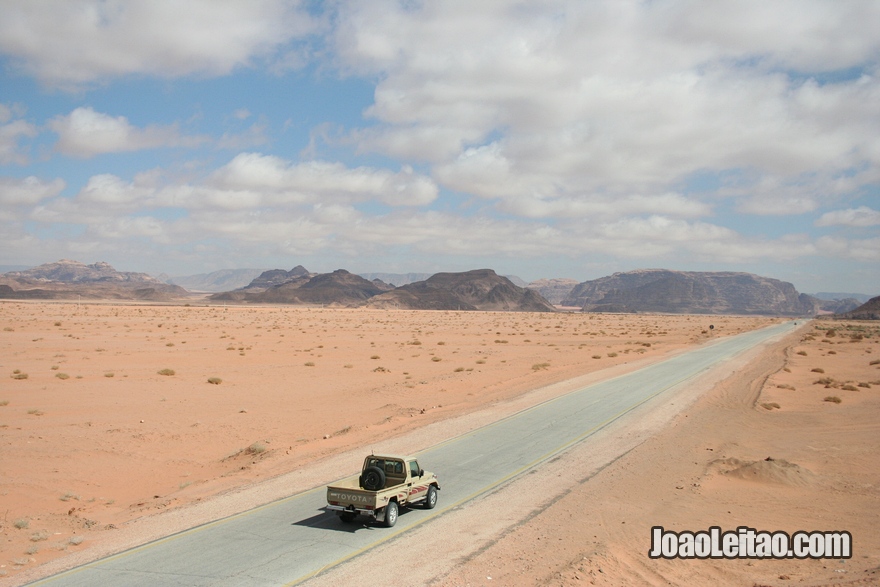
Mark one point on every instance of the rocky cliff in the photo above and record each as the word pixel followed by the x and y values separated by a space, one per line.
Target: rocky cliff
pixel 665 291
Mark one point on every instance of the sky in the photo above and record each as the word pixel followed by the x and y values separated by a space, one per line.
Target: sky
pixel 541 139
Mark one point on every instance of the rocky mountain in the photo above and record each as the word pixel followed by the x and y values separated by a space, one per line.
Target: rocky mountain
pixel 833 296
pixel 553 290
pixel 839 306
pixel 665 291
pixel 339 288
pixel 66 279
pixel 870 310
pixel 481 289
pixel 275 277
pixel 216 281
pixel 68 271
pixel 396 279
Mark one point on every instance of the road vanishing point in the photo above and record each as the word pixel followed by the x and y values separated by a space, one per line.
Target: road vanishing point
pixel 293 539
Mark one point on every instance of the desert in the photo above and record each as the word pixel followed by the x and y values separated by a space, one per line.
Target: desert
pixel 112 414
pixel 121 422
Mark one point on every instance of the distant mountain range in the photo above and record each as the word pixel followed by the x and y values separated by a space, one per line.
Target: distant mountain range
pixel 67 279
pixel 870 310
pixel 482 289
pixel 223 280
pixel 662 290
pixel 646 290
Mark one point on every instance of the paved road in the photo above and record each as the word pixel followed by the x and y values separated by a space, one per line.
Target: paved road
pixel 290 540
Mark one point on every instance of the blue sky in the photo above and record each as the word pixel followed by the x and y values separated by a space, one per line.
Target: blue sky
pixel 545 139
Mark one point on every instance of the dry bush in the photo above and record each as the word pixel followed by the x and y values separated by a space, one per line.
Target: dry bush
pixel 166 372
pixel 817 370
pixel 215 380
pixel 770 405
pixel 62 376
pixel 540 366
pixel 833 399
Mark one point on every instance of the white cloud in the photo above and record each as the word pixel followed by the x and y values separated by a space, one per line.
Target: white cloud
pixel 562 99
pixel 11 132
pixel 321 181
pixel 28 191
pixel 85 133
pixel 860 217
pixel 70 42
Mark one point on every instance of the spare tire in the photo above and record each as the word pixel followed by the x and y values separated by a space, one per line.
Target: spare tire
pixel 373 479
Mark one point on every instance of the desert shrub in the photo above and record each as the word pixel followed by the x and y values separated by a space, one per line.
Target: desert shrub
pixel 459 369
pixel 310 364
pixel 21 523
pixel 849 387
pixel 866 385
pixel 38 536
pixel 375 357
pixel 802 353
pixel 436 359
pixel 166 372
pixel 833 399
pixel 215 380
pixel 19 375
pixel 36 412
pixel 785 386
pixel 108 374
pixel 62 376
pixel 75 540
pixel 817 370
pixel 255 449
pixel 770 405
pixel 824 381
pixel 875 362
pixel 540 366
pixel 4 402
pixel 612 355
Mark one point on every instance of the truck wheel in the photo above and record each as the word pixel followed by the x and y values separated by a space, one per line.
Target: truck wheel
pixel 373 479
pixel 431 498
pixel 390 514
pixel 347 517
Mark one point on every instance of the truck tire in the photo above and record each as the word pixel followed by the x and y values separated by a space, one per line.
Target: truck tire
pixel 431 498
pixel 373 479
pixel 347 517
pixel 391 514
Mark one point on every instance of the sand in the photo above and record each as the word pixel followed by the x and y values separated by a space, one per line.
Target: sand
pixel 97 442
pixel 762 448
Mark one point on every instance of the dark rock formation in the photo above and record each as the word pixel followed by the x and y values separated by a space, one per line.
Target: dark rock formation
pixel 664 291
pixel 481 289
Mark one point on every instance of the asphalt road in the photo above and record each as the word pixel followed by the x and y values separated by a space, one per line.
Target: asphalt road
pixel 290 540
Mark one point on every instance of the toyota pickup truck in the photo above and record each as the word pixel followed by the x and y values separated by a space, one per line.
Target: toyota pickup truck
pixel 384 485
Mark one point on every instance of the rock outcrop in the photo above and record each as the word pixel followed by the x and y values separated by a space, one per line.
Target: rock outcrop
pixel 683 292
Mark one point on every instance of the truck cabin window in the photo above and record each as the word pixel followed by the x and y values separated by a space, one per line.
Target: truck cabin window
pixel 414 470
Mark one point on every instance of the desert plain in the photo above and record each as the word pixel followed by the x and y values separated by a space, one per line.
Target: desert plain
pixel 121 422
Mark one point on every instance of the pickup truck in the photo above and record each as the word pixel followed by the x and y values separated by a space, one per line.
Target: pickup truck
pixel 384 485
